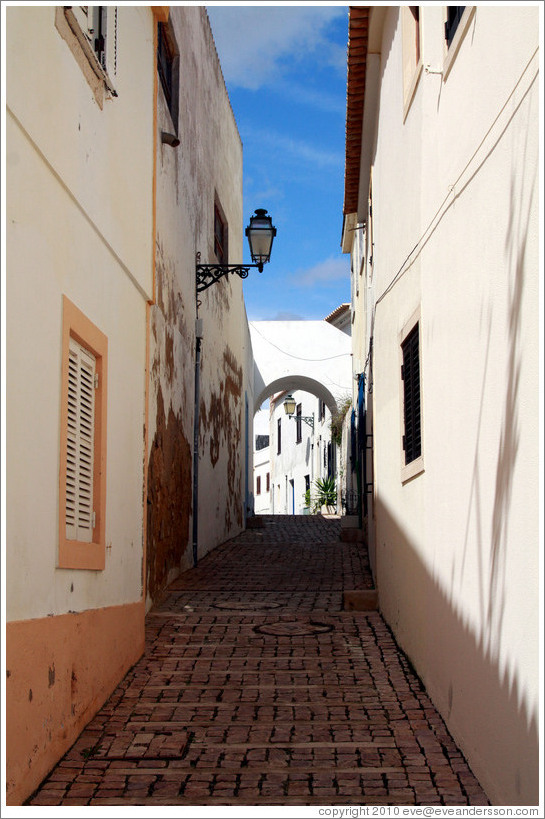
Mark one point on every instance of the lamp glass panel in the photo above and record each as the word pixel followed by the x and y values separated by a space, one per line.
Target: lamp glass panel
pixel 260 240
pixel 289 405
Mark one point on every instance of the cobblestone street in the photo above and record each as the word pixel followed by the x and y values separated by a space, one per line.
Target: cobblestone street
pixel 257 688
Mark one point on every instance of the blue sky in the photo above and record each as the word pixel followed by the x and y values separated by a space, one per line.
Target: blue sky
pixel 285 71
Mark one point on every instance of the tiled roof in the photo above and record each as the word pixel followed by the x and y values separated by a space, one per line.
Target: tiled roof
pixel 358 29
pixel 342 308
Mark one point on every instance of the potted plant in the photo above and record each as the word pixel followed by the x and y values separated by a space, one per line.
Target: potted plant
pixel 326 494
pixel 306 498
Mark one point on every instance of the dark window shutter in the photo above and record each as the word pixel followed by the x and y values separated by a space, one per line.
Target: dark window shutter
pixel 299 428
pixel 454 15
pixel 165 60
pixel 411 396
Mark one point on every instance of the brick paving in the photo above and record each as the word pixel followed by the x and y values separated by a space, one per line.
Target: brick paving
pixel 256 688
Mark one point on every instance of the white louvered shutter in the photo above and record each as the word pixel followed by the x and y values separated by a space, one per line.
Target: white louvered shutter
pixel 80 443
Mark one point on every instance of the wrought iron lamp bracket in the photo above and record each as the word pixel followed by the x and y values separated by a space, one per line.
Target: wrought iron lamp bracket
pixel 208 274
pixel 308 419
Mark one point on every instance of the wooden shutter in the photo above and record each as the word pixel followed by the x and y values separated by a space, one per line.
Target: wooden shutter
pixel 410 374
pixel 80 443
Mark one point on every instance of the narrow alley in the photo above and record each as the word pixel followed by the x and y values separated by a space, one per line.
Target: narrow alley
pixel 258 688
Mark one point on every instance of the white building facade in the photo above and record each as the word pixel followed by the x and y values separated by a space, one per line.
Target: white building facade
pixel 262 463
pixel 301 451
pixel 441 220
pixel 118 174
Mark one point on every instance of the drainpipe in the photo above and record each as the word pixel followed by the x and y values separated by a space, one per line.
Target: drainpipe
pixel 196 422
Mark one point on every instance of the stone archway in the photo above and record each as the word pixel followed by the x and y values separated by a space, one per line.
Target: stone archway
pixel 297 382
pixel 313 356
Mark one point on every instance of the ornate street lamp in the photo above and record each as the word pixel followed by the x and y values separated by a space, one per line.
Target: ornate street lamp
pixel 289 409
pixel 260 233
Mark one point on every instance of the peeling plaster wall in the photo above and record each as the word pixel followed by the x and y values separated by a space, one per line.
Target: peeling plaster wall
pixel 206 166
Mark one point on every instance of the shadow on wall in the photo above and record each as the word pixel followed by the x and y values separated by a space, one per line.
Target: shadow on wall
pixel 483 706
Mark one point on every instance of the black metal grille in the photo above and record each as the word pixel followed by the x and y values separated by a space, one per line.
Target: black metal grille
pixel 454 15
pixel 165 60
pixel 411 396
pixel 349 501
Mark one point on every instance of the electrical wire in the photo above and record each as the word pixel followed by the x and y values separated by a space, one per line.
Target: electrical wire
pixel 290 355
pixel 452 191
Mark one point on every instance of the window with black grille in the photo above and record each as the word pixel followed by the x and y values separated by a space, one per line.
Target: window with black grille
pixel 298 423
pixel 410 374
pixel 167 67
pixel 454 15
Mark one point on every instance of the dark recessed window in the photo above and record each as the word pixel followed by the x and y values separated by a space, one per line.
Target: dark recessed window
pixel 410 373
pixel 258 485
pixel 220 235
pixel 279 437
pixel 454 15
pixel 415 11
pixel 167 67
pixel 298 423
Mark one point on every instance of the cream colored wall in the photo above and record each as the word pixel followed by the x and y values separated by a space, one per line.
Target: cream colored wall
pixel 457 546
pixel 78 192
pixel 78 225
pixel 207 163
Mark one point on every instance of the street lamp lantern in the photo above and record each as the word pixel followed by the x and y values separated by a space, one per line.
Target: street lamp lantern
pixel 289 409
pixel 289 404
pixel 260 233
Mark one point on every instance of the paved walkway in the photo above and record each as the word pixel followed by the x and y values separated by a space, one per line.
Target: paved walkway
pixel 256 688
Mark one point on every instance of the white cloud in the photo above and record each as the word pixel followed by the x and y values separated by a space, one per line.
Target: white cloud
pixel 331 270
pixel 298 149
pixel 252 41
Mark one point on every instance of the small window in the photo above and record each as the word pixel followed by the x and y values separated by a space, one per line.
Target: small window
pixel 307 483
pixel 279 437
pixel 91 34
pixel 410 374
pixel 298 423
pixel 258 485
pixel 220 235
pixel 268 484
pixel 454 15
pixel 168 68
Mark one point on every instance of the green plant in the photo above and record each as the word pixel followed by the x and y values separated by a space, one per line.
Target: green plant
pixel 337 418
pixel 306 497
pixel 326 492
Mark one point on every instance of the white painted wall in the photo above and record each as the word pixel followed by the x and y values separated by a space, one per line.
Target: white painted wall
pixel 297 459
pixel 457 546
pixel 78 182
pixel 313 356
pixel 261 464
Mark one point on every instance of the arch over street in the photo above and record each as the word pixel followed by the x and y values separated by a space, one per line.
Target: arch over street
pixel 313 356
